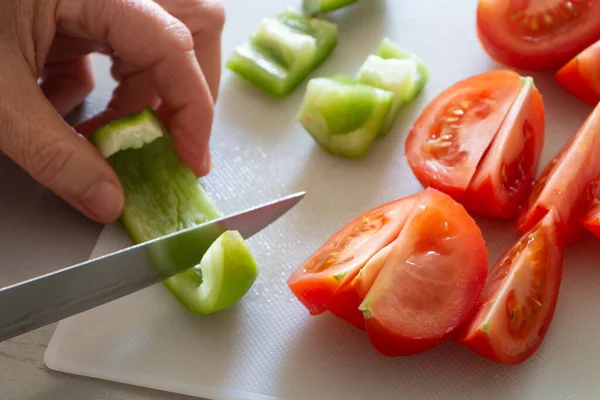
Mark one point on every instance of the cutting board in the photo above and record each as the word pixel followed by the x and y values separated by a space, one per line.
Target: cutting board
pixel 267 346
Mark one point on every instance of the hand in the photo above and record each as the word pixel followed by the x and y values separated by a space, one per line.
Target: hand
pixel 166 54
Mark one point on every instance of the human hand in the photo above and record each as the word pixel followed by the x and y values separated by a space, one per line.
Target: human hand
pixel 166 54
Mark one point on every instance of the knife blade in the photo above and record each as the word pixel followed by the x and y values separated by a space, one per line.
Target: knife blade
pixel 37 302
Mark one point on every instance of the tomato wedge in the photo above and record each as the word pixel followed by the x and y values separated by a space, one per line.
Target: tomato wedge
pixel 519 299
pixel 581 75
pixel 591 221
pixel 340 259
pixel 451 135
pixel 346 301
pixel 537 34
pixel 567 182
pixel 431 280
pixel 506 174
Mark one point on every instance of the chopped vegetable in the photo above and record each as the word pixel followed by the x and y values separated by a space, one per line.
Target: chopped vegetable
pixel 344 116
pixel 537 35
pixel 409 272
pixel 520 296
pixel 225 274
pixel 568 183
pixel 480 141
pixel 580 76
pixel 283 51
pixel 163 196
pixel 321 6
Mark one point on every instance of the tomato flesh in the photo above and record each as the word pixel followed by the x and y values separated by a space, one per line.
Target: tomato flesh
pixel 581 75
pixel 537 34
pixel 451 135
pixel 520 296
pixel 565 183
pixel 505 176
pixel 346 301
pixel 340 259
pixel 591 220
pixel 431 280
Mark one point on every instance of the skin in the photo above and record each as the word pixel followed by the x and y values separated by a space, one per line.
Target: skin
pixel 166 54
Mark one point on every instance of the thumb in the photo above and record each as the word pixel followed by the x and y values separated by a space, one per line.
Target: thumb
pixel 34 135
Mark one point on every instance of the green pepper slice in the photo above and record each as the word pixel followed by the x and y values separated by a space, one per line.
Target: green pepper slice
pixel 321 6
pixel 283 51
pixel 344 116
pixel 163 196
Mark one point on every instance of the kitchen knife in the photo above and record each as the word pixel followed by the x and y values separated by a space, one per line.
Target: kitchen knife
pixel 49 298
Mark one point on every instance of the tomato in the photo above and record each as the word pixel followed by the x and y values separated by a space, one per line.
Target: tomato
pixel 591 220
pixel 520 296
pixel 449 138
pixel 346 301
pixel 431 280
pixel 567 182
pixel 505 176
pixel 537 34
pixel 340 259
pixel 581 75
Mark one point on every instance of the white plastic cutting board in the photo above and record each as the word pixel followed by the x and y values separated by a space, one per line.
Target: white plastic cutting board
pixel 267 346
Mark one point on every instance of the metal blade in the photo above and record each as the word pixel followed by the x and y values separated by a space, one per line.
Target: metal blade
pixel 49 298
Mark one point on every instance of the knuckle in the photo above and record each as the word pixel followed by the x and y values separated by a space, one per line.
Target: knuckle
pixel 180 35
pixel 46 162
pixel 206 16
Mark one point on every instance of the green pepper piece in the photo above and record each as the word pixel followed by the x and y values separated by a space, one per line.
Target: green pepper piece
pixel 163 196
pixel 283 51
pixel 321 6
pixel 344 116
pixel 389 50
pixel 396 70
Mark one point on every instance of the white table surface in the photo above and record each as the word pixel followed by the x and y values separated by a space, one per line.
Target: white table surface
pixel 39 233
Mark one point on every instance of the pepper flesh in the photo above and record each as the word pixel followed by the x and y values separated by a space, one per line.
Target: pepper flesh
pixel 344 116
pixel 283 51
pixel 163 196
pixel 321 6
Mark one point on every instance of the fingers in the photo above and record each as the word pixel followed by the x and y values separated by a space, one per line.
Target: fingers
pixel 150 39
pixel 205 20
pixel 134 92
pixel 66 84
pixel 36 137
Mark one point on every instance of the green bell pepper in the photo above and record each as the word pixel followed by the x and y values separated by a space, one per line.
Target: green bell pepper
pixel 344 116
pixel 396 70
pixel 163 196
pixel 283 51
pixel 321 6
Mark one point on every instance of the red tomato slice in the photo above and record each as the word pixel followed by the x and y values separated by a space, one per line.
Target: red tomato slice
pixel 340 259
pixel 519 299
pixel 346 301
pixel 537 34
pixel 431 280
pixel 591 221
pixel 581 75
pixel 451 135
pixel 505 176
pixel 566 182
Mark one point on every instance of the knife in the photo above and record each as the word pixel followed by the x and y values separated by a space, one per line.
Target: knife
pixel 43 300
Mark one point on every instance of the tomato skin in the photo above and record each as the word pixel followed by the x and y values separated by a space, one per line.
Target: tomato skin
pixel 505 176
pixel 581 76
pixel 431 281
pixel 315 288
pixel 541 49
pixel 565 182
pixel 488 332
pixel 470 113
pixel 591 221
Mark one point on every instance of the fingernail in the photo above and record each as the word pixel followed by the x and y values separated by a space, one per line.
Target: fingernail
pixel 207 164
pixel 104 200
